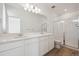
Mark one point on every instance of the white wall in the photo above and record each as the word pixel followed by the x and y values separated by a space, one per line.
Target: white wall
pixel 70 29
pixel 71 32
pixel 50 17
pixel 0 18
pixel 30 22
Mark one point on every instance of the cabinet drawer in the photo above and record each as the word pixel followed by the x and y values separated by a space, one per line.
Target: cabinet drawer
pixel 10 45
pixel 43 38
pixel 33 40
pixel 19 51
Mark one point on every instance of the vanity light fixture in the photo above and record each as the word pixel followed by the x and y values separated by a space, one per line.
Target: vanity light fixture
pixel 36 12
pixel 25 8
pixel 33 11
pixel 36 8
pixel 39 10
pixel 31 8
pixel 27 5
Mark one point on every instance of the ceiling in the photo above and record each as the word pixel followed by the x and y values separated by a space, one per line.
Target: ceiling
pixel 60 9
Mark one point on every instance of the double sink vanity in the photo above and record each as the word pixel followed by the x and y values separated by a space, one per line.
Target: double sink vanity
pixel 31 44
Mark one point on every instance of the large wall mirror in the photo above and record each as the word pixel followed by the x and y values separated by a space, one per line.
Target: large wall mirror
pixel 9 22
pixel 13 24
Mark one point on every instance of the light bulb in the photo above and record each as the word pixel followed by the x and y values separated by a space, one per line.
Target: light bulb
pixel 38 10
pixel 27 5
pixel 31 6
pixel 25 8
pixel 29 10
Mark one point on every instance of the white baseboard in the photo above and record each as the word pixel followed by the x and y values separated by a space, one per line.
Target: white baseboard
pixel 71 47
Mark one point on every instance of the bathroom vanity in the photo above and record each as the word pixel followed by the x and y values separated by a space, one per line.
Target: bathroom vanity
pixel 33 44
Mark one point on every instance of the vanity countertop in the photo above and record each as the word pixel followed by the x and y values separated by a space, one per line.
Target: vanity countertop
pixel 15 37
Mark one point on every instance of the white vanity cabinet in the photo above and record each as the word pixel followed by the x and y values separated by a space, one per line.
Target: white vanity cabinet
pixel 46 44
pixel 12 49
pixel 43 44
pixel 32 47
pixel 39 45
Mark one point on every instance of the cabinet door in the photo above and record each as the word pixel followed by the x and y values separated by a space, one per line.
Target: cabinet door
pixel 50 43
pixel 26 47
pixel 19 51
pixel 32 47
pixel 43 45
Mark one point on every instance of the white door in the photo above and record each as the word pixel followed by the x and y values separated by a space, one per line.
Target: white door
pixel 59 31
pixel 71 34
pixel 13 25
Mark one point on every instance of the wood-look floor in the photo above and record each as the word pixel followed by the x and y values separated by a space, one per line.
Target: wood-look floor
pixel 62 52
